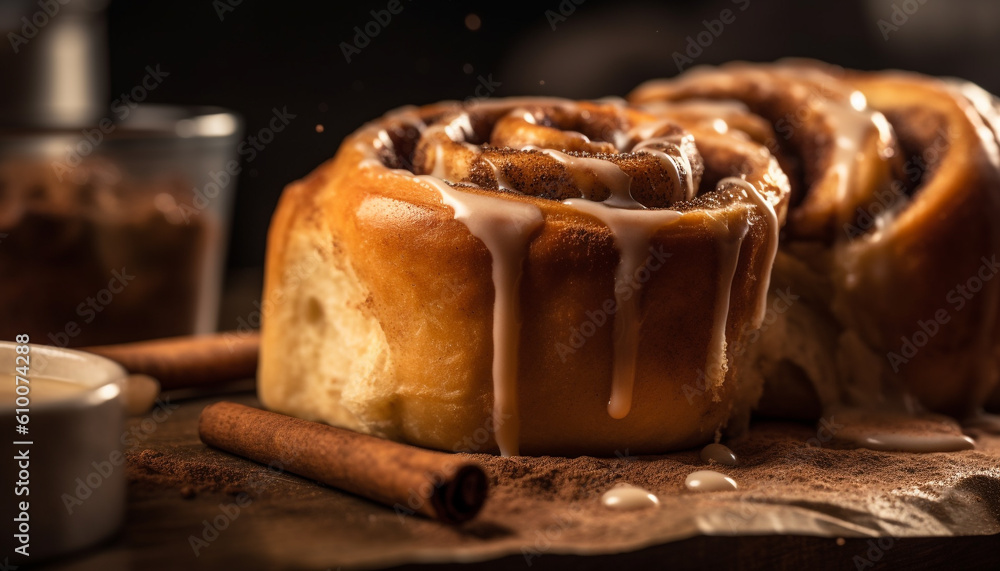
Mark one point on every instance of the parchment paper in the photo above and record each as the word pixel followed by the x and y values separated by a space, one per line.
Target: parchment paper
pixel 542 506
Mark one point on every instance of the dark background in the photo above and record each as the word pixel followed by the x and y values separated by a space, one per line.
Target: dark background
pixel 260 55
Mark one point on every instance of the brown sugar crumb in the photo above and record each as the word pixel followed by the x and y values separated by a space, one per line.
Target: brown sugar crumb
pixel 156 469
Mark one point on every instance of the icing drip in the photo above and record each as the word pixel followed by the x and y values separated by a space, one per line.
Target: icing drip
pixel 709 481
pixel 669 153
pixel 502 182
pixel 718 453
pixel 729 259
pixel 851 123
pixel 632 226
pixel 460 128
pixel 610 174
pixel 505 227
pixel 773 228
pixel 850 119
pixel 628 498
pixel 632 230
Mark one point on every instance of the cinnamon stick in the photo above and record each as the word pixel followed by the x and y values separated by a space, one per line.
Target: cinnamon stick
pixel 409 479
pixel 182 362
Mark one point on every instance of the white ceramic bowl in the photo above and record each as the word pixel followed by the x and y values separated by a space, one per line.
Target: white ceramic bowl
pixel 75 466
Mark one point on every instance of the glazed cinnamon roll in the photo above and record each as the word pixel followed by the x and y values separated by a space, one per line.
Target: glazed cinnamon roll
pixel 534 276
pixel 892 237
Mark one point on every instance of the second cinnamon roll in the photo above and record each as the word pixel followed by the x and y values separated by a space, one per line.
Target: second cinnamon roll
pixel 893 236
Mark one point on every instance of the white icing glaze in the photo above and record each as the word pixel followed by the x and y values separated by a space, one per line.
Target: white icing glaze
pixel 773 229
pixel 729 258
pixel 894 430
pixel 632 226
pixel 846 112
pixel 502 182
pixel 632 230
pixel 669 152
pixel 608 173
pixel 851 126
pixel 849 118
pixel 438 171
pixel 505 227
pixel 459 128
pixel 719 454
pixel 709 481
pixel 919 443
pixel 713 113
pixel 628 498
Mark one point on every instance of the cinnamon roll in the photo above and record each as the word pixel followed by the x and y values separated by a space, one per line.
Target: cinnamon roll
pixel 534 276
pixel 892 238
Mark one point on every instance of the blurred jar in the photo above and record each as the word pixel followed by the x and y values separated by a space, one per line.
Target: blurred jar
pixel 113 218
pixel 116 232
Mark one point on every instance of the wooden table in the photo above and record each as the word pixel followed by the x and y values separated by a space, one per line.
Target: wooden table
pixel 293 523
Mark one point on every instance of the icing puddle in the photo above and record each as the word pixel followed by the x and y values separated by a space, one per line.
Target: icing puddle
pixel 894 431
